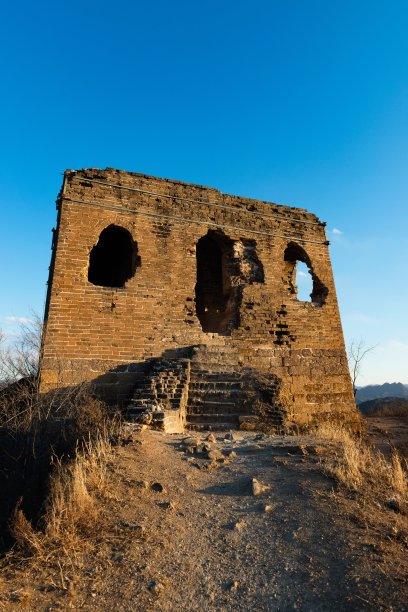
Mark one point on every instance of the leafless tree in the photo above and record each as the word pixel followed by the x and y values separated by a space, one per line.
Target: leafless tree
pixel 356 352
pixel 20 358
pixel 22 406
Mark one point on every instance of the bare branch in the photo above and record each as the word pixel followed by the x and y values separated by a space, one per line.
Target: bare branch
pixel 356 352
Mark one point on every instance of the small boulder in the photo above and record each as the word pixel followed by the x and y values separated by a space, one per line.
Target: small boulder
pixel 210 438
pixel 190 442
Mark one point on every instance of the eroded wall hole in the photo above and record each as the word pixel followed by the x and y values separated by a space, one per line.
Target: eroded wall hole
pixel 114 259
pixel 300 278
pixel 304 282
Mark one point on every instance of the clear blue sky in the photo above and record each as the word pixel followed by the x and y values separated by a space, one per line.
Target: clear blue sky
pixel 302 103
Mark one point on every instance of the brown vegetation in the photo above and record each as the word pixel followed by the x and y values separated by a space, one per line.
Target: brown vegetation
pixel 72 509
pixel 356 465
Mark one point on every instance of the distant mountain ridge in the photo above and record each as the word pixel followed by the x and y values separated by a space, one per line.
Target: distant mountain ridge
pixel 371 392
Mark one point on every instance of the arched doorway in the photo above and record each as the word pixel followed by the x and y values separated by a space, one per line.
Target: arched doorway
pixel 214 294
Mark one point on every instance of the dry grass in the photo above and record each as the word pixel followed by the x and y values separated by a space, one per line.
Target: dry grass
pixel 357 466
pixel 73 509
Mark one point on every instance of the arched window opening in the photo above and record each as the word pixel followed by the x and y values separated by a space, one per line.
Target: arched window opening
pixel 300 277
pixel 114 259
pixel 214 294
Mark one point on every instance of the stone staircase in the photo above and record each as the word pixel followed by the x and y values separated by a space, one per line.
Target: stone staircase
pixel 206 390
pixel 161 396
pixel 215 389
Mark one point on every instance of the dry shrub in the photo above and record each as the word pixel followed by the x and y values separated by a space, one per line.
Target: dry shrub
pixel 36 427
pixel 89 414
pixel 359 468
pixel 76 490
pixel 27 539
pixel 74 504
pixel 335 432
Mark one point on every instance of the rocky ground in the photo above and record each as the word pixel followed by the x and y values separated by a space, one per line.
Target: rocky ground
pixel 186 527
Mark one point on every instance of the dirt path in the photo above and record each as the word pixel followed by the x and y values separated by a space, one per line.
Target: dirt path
pixel 207 543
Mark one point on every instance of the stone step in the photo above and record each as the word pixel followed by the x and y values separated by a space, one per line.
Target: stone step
pixel 204 383
pixel 213 362
pixel 213 418
pixel 213 365
pixel 212 405
pixel 214 395
pixel 131 416
pixel 169 395
pixel 143 396
pixel 202 349
pixel 211 426
pixel 216 376
pixel 206 409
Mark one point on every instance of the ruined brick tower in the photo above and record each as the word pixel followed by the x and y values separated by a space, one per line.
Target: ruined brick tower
pixel 181 302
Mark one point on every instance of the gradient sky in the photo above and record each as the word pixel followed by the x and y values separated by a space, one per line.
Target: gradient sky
pixel 300 103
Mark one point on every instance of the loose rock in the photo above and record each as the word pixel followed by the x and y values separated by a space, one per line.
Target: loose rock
pixel 229 437
pixel 258 487
pixel 190 442
pixel 209 466
pixel 157 588
pixel 215 455
pixel 239 526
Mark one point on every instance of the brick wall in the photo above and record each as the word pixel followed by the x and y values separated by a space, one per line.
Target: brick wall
pixel 92 329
